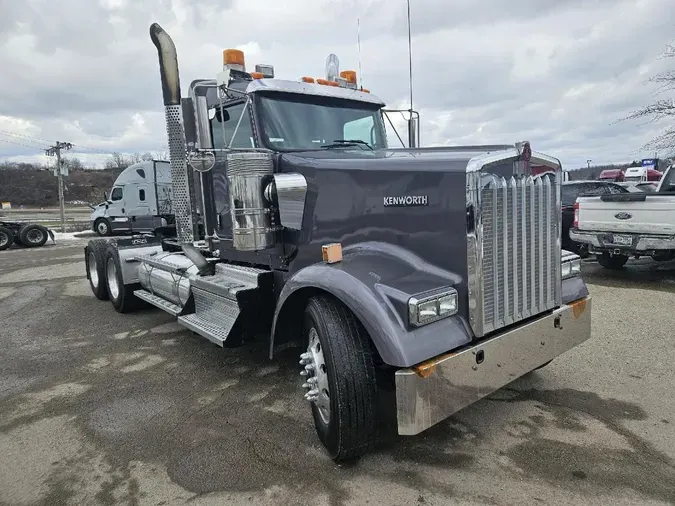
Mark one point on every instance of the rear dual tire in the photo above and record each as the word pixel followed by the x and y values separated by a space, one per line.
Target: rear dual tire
pixel 6 238
pixel 95 264
pixel 33 236
pixel 121 296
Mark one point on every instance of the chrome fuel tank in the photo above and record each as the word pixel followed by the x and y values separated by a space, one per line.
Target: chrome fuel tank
pixel 171 281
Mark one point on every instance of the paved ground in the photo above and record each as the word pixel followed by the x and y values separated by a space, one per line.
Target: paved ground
pixel 100 408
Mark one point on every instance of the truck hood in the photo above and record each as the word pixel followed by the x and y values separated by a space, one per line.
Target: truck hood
pixel 436 159
pixel 98 211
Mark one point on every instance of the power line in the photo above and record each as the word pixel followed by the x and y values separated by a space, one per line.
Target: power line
pixel 31 138
pixel 21 144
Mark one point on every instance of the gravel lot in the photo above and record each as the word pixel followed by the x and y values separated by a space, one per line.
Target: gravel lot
pixel 101 408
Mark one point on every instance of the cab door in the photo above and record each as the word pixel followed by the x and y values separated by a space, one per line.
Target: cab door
pixel 139 211
pixel 117 209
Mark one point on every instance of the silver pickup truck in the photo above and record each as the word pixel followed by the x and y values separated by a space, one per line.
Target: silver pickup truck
pixel 618 226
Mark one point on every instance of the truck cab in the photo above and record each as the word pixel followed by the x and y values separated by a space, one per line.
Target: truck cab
pixel 641 174
pixel 433 274
pixel 139 200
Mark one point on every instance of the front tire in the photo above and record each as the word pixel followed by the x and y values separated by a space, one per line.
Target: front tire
pixel 121 296
pixel 102 227
pixel 614 262
pixel 340 378
pixel 95 264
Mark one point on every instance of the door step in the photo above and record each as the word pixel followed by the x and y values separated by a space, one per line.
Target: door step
pixel 215 333
pixel 159 302
pixel 229 280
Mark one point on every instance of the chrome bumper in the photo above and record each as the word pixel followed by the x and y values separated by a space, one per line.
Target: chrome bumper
pixel 432 391
pixel 641 242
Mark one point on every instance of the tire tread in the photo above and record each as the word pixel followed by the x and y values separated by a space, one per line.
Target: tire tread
pixel 351 355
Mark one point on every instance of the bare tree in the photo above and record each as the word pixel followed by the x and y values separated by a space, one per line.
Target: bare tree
pixel 73 163
pixel 662 109
pixel 117 161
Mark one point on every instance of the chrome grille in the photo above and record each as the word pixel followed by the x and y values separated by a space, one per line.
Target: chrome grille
pixel 514 253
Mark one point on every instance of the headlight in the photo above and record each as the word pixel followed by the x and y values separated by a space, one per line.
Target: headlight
pixel 571 265
pixel 429 309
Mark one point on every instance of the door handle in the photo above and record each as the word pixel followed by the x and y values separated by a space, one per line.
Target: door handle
pixel 122 210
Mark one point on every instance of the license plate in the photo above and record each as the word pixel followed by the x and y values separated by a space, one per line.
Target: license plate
pixel 623 240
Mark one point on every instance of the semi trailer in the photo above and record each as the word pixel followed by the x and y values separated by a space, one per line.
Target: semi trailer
pixel 430 275
pixel 30 235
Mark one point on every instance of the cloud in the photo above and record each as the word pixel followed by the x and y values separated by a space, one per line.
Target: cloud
pixel 557 73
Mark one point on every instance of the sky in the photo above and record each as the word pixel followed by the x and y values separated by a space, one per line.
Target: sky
pixel 559 73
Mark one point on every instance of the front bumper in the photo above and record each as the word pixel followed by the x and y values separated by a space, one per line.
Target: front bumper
pixel 641 242
pixel 434 390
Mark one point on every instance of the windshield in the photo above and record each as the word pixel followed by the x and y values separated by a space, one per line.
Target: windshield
pixel 302 122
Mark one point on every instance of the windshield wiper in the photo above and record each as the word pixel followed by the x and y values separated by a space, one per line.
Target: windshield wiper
pixel 338 143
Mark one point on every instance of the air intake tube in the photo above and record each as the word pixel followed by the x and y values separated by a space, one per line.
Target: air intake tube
pixel 193 254
pixel 168 64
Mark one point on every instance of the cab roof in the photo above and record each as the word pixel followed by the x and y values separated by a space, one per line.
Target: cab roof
pixel 320 90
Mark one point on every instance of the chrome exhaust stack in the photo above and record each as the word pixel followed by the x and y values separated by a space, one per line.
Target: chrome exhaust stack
pixel 183 186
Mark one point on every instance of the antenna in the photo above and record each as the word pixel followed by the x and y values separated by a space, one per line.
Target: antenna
pixel 411 122
pixel 358 43
pixel 410 61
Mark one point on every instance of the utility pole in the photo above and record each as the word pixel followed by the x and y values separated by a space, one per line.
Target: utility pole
pixel 56 150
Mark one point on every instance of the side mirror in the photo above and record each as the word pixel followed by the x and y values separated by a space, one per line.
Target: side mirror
pixel 105 196
pixel 222 116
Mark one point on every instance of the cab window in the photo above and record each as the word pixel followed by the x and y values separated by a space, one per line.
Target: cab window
pixel 227 122
pixel 116 194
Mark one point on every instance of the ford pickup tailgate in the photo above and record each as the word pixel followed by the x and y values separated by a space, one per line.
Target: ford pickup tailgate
pixel 627 212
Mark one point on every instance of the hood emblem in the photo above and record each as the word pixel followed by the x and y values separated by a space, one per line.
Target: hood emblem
pixel 406 201
pixel 623 216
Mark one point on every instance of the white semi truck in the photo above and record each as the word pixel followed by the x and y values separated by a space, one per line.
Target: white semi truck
pixel 139 201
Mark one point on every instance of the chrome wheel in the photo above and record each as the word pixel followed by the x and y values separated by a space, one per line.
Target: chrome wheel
pixel 4 239
pixel 111 273
pixel 316 373
pixel 102 228
pixel 93 272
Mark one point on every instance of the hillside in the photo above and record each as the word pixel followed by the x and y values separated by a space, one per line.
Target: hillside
pixel 30 185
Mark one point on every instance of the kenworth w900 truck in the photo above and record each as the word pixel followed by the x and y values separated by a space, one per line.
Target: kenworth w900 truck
pixel 435 272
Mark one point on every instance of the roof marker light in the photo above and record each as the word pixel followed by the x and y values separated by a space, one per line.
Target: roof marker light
pixel 349 76
pixel 234 59
pixel 326 82
pixel 307 79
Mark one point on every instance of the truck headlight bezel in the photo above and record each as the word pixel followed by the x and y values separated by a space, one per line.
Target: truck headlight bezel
pixel 570 266
pixel 428 309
